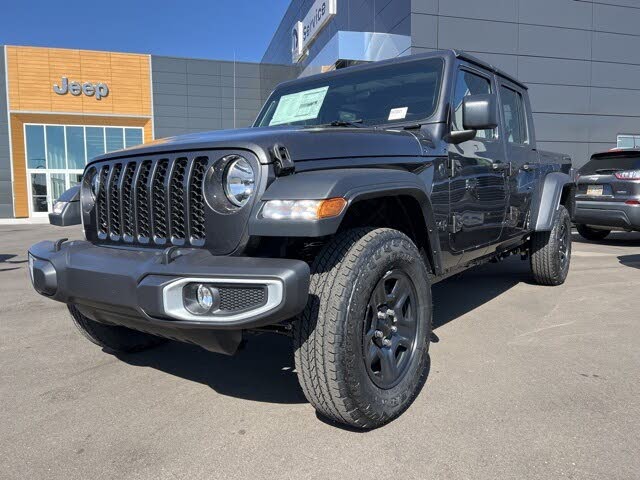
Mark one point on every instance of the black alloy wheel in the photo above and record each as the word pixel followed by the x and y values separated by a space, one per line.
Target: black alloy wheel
pixel 389 340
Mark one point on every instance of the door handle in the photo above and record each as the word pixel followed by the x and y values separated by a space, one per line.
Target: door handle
pixel 527 167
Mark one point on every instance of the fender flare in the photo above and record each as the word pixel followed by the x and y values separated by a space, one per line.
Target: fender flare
pixel 548 200
pixel 353 184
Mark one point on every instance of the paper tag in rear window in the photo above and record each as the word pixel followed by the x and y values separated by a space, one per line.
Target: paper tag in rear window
pixel 300 106
pixel 398 113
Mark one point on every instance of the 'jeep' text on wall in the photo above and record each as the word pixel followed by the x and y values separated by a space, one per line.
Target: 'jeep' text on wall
pixel 99 90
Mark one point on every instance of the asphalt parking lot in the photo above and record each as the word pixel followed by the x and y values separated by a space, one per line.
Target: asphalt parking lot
pixel 526 382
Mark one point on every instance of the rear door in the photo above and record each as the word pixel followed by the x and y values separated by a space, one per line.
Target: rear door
pixel 477 186
pixel 522 156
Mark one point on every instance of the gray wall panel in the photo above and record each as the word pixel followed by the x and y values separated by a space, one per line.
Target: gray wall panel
pixel 559 99
pixel 477 35
pixel 608 18
pixel 555 13
pixel 194 95
pixel 611 101
pixel 424 30
pixel 6 187
pixel 503 10
pixel 615 75
pixel 611 47
pixel 554 71
pixel 554 42
pixel 425 6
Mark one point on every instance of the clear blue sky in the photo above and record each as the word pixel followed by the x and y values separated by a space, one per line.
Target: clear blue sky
pixel 185 28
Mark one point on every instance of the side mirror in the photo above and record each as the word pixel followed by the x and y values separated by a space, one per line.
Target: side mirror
pixel 480 112
pixel 66 211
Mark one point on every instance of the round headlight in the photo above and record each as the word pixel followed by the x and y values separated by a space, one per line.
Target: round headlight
pixel 239 181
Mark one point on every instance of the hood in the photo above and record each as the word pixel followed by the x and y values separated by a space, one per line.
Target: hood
pixel 302 143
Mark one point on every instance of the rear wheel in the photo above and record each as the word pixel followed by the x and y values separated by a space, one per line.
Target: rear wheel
pixel 592 233
pixel 111 337
pixel 361 345
pixel 551 251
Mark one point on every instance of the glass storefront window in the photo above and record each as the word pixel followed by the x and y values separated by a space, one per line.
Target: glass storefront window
pixel 115 140
pixel 75 148
pixel 95 142
pixel 58 185
pixel 74 179
pixel 57 154
pixel 55 147
pixel 132 137
pixel 36 158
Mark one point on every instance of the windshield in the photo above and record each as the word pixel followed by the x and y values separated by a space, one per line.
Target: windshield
pixel 405 92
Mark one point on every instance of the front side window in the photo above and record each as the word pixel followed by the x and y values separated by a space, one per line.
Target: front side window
pixel 469 83
pixel 400 93
pixel 515 122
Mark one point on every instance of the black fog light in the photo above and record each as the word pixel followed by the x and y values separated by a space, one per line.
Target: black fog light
pixel 200 298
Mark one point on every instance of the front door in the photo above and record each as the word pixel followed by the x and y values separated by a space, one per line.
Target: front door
pixel 478 193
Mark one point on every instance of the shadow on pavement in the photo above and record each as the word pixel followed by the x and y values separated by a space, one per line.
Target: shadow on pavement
pixel 615 239
pixel 469 290
pixel 630 260
pixel 7 259
pixel 264 370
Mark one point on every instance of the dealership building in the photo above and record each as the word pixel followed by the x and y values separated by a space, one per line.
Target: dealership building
pixel 59 108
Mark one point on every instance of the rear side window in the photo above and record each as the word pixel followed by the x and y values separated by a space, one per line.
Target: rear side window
pixel 610 164
pixel 515 121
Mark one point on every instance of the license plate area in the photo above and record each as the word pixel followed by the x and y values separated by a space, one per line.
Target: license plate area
pixel 595 190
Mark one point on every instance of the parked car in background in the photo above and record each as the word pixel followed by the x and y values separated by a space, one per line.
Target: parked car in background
pixel 328 221
pixel 608 194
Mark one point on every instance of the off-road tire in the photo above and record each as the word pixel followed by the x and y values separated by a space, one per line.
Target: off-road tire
pixel 328 335
pixel 591 233
pixel 113 338
pixel 547 265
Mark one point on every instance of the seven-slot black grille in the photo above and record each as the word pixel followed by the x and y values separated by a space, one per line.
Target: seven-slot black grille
pixel 157 202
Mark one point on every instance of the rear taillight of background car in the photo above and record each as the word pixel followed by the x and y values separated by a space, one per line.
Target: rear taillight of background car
pixel 628 175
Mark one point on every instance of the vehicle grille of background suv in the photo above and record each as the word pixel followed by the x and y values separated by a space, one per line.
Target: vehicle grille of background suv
pixel 152 201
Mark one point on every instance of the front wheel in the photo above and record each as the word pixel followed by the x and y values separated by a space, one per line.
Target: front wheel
pixel 362 343
pixel 551 251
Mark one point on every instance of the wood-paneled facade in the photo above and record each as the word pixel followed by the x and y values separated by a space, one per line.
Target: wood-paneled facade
pixel 32 73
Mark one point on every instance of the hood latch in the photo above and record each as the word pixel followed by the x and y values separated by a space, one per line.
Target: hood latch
pixel 282 161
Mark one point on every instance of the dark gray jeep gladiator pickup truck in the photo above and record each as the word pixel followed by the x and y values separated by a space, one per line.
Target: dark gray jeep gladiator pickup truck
pixel 328 221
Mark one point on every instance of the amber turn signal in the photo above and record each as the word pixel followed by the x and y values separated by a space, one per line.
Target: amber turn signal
pixel 331 207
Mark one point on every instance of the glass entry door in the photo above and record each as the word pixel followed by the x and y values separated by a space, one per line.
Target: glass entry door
pixel 46 187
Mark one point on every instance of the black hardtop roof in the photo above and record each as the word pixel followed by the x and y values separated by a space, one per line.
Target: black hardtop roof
pixel 454 54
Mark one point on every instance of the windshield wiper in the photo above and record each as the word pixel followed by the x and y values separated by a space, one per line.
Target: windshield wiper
pixel 346 123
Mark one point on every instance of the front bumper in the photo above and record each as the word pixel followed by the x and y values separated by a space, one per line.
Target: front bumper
pixel 607 214
pixel 141 289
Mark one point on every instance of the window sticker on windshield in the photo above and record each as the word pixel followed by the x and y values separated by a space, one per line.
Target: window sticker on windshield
pixel 299 106
pixel 398 113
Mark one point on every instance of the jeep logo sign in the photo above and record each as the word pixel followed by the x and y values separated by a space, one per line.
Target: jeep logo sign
pixel 305 32
pixel 99 90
